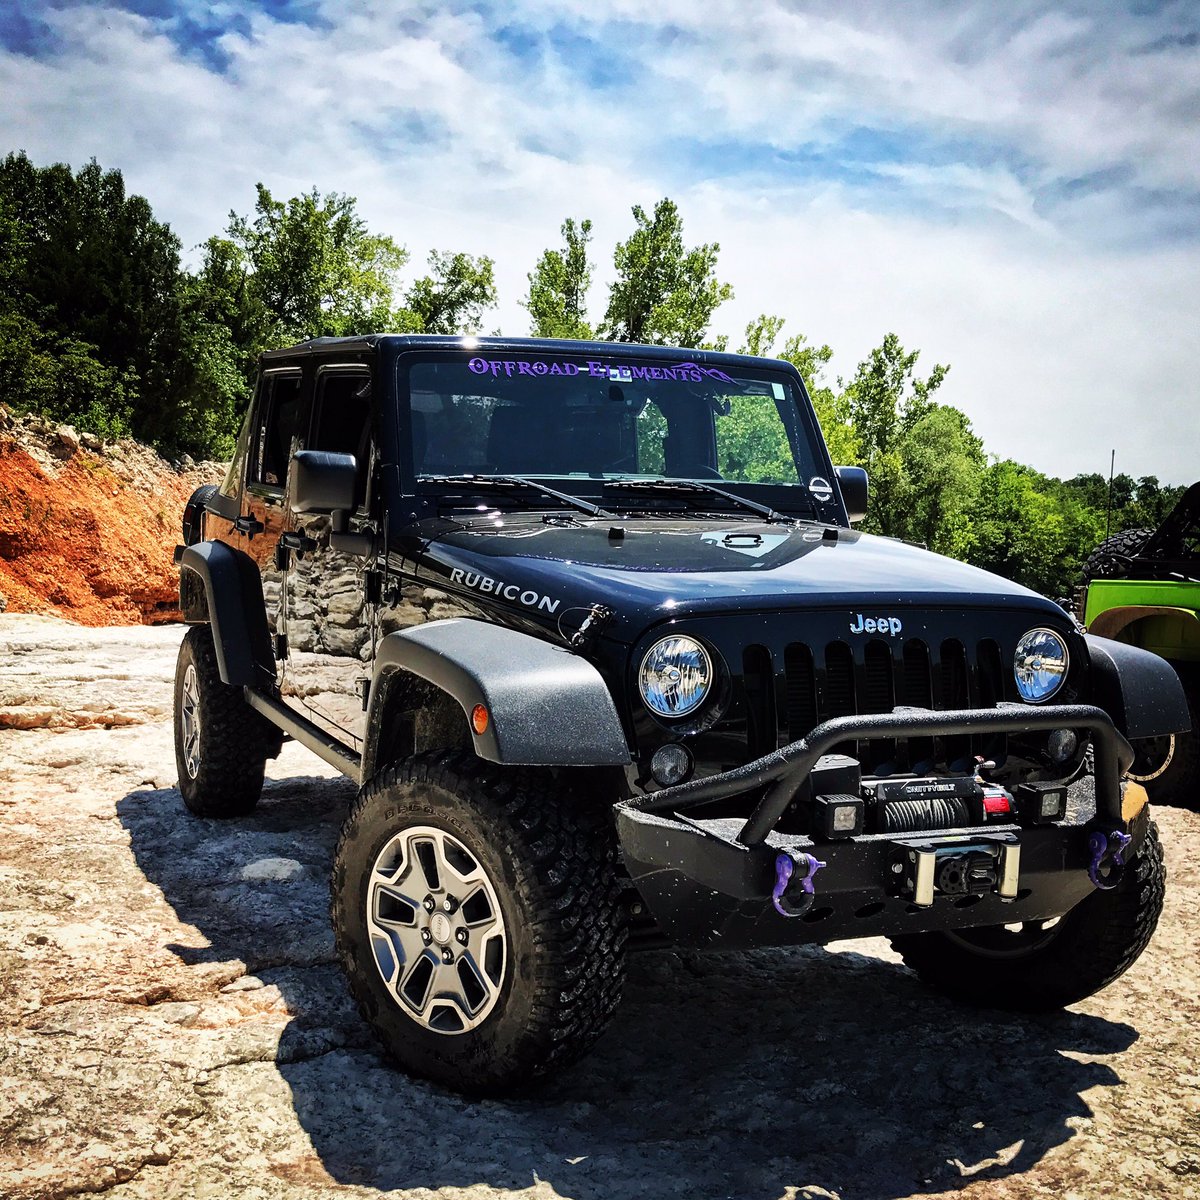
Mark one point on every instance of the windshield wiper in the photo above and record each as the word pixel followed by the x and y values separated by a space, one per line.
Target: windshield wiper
pixel 515 481
pixel 691 485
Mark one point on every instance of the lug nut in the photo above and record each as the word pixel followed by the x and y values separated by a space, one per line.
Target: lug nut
pixel 426 936
pixel 447 956
pixel 449 904
pixel 462 936
pixel 429 904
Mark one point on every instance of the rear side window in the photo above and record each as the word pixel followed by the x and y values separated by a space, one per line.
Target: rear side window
pixel 342 419
pixel 279 412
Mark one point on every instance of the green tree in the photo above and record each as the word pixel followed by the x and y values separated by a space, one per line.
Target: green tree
pixel 664 293
pixel 452 297
pixel 885 400
pixel 1021 529
pixel 558 286
pixel 314 267
pixel 941 461
pixel 91 302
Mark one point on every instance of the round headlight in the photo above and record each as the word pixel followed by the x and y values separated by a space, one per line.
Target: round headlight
pixel 1040 665
pixel 675 676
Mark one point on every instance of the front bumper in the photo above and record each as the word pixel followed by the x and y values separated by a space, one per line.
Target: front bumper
pixel 710 882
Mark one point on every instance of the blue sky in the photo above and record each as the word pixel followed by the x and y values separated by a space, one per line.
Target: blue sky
pixel 1014 189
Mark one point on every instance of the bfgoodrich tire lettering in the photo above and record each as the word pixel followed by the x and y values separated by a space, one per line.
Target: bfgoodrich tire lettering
pixel 1047 966
pixel 221 743
pixel 550 858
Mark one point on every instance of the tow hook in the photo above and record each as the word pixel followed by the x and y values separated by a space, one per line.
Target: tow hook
pixel 794 871
pixel 1107 850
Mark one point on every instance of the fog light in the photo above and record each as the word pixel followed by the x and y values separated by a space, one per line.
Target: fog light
pixel 671 764
pixel 1061 745
pixel 837 816
pixel 1041 803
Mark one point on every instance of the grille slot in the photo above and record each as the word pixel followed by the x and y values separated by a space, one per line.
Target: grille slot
pixel 918 693
pixel 839 680
pixel 879 696
pixel 801 690
pixel 956 693
pixel 759 681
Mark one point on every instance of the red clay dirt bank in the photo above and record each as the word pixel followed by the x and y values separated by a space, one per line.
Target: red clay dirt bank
pixel 87 527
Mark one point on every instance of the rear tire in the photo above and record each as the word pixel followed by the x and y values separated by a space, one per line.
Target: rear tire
pixel 221 743
pixel 476 912
pixel 1047 966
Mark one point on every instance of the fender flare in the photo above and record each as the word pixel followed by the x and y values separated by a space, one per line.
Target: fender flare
pixel 1140 691
pixel 1114 621
pixel 546 706
pixel 233 605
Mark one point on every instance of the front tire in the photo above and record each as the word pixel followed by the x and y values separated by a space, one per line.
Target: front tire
pixel 221 743
pixel 476 912
pixel 1046 965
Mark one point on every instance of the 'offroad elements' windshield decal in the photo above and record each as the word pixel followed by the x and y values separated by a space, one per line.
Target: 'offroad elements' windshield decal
pixel 688 372
pixel 508 591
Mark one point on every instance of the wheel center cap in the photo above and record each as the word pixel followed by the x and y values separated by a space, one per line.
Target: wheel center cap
pixel 439 927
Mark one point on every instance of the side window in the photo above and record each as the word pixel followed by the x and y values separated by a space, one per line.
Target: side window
pixel 278 414
pixel 342 419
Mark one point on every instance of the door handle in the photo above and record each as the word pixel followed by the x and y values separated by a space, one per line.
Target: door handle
pixel 248 524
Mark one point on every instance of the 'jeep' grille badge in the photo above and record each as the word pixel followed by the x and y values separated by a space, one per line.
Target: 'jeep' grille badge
pixel 892 626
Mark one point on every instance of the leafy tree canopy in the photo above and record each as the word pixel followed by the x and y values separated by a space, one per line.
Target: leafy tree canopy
pixel 314 267
pixel 664 293
pixel 558 286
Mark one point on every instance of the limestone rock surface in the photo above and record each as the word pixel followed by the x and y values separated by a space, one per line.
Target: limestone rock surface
pixel 172 1023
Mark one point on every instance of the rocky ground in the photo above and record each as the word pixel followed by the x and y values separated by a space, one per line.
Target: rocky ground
pixel 172 1024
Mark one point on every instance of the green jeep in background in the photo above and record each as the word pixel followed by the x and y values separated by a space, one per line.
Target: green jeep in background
pixel 1143 588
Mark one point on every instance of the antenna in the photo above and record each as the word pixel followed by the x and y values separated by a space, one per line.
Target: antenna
pixel 1108 510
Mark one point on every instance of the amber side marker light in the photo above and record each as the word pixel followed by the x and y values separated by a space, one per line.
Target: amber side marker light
pixel 479 719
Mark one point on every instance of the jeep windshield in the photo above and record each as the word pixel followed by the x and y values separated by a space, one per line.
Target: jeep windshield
pixel 596 424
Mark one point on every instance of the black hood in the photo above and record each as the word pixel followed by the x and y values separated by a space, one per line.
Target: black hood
pixel 648 570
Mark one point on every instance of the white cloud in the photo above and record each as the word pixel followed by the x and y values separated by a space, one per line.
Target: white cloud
pixel 1069 324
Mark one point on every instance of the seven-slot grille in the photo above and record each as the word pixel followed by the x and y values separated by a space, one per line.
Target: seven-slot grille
pixel 792 685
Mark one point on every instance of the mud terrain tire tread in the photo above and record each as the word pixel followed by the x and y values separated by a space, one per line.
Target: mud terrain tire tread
pixel 1107 560
pixel 235 741
pixel 1096 942
pixel 553 861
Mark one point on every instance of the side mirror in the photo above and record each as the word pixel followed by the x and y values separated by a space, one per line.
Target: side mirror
pixel 323 482
pixel 853 484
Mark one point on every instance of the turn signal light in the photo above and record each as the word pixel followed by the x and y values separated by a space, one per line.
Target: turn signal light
pixel 479 719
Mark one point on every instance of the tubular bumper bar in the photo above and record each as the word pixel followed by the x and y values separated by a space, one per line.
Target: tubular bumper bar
pixel 785 769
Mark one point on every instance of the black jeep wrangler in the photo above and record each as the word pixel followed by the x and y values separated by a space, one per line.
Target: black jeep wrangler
pixel 590 624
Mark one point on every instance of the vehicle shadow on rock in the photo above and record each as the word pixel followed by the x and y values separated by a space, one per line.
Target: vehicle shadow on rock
pixel 737 1075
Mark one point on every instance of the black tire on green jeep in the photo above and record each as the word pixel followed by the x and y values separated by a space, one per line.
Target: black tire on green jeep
pixel 1178 783
pixel 478 920
pixel 1044 965
pixel 221 743
pixel 1110 559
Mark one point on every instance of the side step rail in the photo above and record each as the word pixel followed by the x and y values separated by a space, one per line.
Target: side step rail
pixel 336 754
